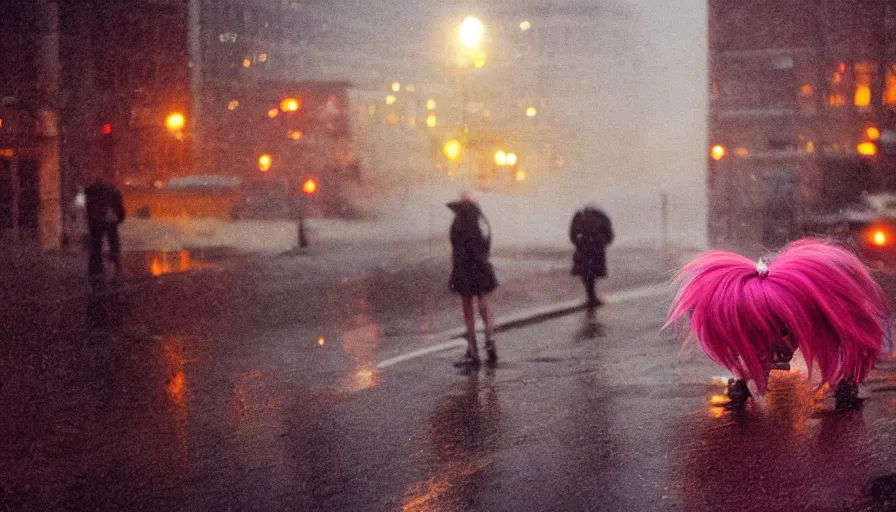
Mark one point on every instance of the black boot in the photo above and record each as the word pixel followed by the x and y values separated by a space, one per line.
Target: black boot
pixel 490 351
pixel 847 396
pixel 738 392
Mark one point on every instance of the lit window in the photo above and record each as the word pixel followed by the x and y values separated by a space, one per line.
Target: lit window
pixel 391 99
pixel 431 105
pixel 263 57
pixel 431 121
pixel 233 105
pixel 863 77
pixel 396 86
pixel 837 86
pixel 890 86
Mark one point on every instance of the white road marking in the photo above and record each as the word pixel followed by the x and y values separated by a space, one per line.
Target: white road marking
pixel 619 297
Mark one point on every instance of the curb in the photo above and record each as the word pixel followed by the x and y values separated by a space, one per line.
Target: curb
pixel 454 338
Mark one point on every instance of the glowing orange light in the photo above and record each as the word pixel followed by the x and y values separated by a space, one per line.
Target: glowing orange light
pixel 264 162
pixel 295 134
pixel 321 341
pixel 718 399
pixel 309 187
pixel 175 121
pixel 452 150
pixel 247 63
pixel 867 149
pixel 520 175
pixel 873 133
pixel 806 90
pixel 290 105
pixel 273 113
pixel 879 238
pixel 717 152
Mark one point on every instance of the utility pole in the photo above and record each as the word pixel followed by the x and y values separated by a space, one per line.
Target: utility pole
pixel 47 54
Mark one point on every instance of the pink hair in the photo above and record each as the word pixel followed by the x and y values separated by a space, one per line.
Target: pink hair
pixel 814 296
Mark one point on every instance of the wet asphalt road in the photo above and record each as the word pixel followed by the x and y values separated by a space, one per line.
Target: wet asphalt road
pixel 228 389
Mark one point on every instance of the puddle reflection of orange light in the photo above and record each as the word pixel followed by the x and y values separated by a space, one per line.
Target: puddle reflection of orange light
pixel 176 387
pixel 718 399
pixel 366 378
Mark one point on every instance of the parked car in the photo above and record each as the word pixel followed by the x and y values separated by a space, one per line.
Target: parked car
pixel 868 225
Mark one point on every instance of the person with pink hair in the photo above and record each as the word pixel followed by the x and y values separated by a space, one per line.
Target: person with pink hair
pixel 751 317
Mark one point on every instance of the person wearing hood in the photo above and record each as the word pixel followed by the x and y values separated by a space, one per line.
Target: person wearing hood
pixel 472 274
pixel 590 232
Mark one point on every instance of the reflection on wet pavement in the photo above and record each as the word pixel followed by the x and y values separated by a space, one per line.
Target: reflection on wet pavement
pixel 462 443
pixel 790 444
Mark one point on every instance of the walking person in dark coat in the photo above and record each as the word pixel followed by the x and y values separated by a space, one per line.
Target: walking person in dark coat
pixel 590 232
pixel 105 211
pixel 472 274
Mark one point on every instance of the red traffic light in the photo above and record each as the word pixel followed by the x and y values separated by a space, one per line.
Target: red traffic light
pixel 107 128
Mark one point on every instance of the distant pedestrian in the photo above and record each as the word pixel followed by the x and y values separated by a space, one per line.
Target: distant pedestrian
pixel 105 211
pixel 590 232
pixel 472 274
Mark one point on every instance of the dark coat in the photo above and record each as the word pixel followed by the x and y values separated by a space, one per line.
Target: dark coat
pixel 471 272
pixel 104 205
pixel 590 232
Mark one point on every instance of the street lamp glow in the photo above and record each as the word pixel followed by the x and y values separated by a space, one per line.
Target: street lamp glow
pixel 264 162
pixel 500 158
pixel 452 150
pixel 175 121
pixel 867 149
pixel 396 86
pixel 531 112
pixel 873 133
pixel 511 158
pixel 718 152
pixel 290 105
pixel 525 25
pixel 310 186
pixel 471 32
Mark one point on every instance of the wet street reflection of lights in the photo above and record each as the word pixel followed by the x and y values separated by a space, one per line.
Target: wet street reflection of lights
pixel 169 263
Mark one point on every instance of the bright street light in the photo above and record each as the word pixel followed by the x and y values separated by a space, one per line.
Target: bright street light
pixel 511 158
pixel 471 32
pixel 500 158
pixel 452 150
pixel 175 121
pixel 264 162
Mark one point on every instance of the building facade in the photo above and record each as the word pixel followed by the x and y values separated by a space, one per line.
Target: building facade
pixel 802 112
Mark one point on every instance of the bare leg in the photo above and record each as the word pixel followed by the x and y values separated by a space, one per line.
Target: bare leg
pixel 470 323
pixel 486 313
